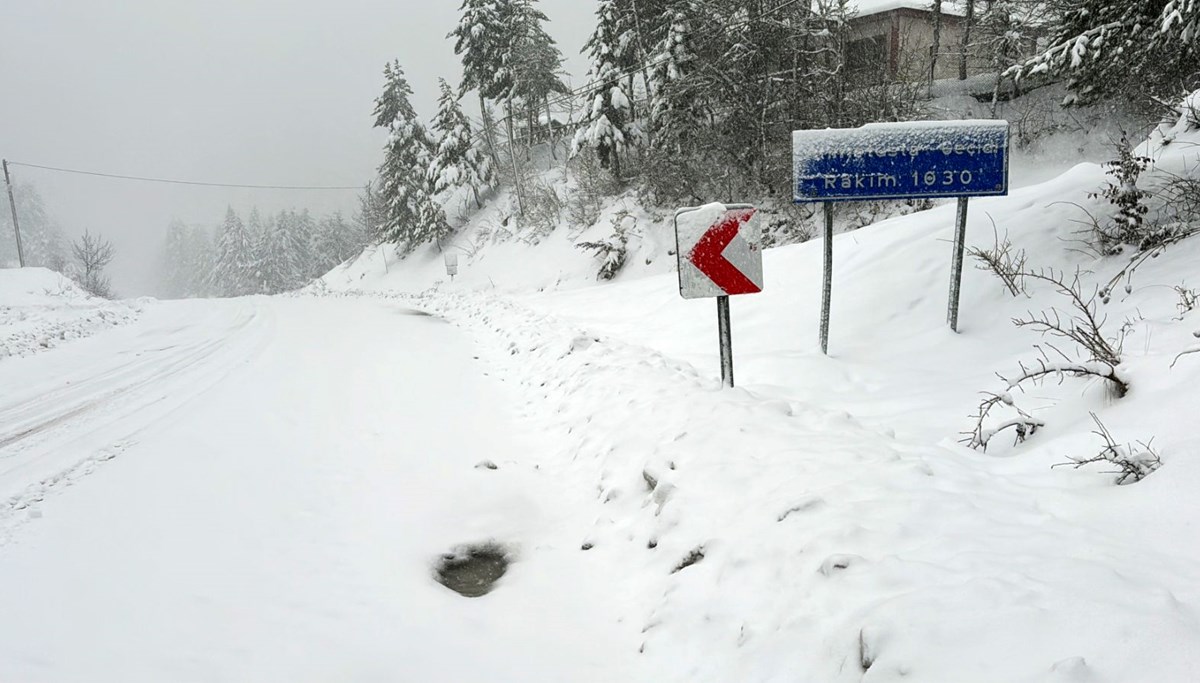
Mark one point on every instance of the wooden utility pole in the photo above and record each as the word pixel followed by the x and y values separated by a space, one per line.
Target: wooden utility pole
pixel 12 204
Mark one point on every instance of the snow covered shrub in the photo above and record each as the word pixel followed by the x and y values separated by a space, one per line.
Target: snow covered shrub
pixel 790 224
pixel 593 186
pixel 1178 213
pixel 1033 118
pixel 1129 224
pixel 1003 262
pixel 543 209
pixel 613 249
pixel 1083 326
pixel 1132 464
pixel 862 214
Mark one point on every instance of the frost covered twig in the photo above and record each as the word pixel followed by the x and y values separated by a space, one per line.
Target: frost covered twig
pixel 1188 299
pixel 1001 261
pixel 1133 464
pixel 1185 352
pixel 1024 425
pixel 1085 327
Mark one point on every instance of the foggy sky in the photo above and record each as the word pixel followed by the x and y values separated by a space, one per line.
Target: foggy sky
pixel 274 92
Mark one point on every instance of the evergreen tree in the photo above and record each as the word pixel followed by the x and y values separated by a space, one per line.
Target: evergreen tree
pixel 457 162
pixel 679 102
pixel 533 63
pixel 279 255
pixel 234 272
pixel 403 183
pixel 175 282
pixel 200 263
pixel 336 240
pixel 41 238
pixel 303 233
pixel 372 214
pixel 1138 49
pixel 480 40
pixel 608 127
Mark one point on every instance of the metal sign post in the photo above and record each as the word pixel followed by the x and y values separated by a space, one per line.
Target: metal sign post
pixel 960 238
pixel 827 284
pixel 918 160
pixel 719 253
pixel 726 339
pixel 12 205
pixel 451 265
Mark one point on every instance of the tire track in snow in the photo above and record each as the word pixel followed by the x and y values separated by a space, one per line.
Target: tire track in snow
pixel 97 417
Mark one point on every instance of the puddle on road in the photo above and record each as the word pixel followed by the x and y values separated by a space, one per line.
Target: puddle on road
pixel 472 571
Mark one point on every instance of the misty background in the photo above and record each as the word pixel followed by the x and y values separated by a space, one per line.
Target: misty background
pixel 259 92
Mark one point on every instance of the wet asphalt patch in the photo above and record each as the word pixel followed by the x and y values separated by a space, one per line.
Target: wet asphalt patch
pixel 473 570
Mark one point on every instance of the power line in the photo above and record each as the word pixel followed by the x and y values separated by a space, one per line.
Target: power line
pixel 186 182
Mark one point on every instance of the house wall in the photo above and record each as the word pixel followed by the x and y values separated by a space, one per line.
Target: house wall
pixel 909 36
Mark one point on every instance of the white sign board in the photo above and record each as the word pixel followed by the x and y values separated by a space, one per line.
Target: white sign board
pixel 719 249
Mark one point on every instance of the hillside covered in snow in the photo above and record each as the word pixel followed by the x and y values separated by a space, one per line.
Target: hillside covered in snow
pixel 919 504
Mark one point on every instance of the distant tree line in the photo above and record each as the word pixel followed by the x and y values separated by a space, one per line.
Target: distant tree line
pixel 261 255
pixel 41 236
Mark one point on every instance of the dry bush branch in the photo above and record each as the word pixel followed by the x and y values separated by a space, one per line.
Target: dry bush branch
pixel 1024 425
pixel 1084 327
pixel 1188 299
pixel 1003 262
pixel 1186 352
pixel 1133 464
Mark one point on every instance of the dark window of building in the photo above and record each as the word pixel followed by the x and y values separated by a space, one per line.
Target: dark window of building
pixel 867 55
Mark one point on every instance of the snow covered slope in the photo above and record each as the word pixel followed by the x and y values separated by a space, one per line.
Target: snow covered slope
pixel 40 309
pixel 825 520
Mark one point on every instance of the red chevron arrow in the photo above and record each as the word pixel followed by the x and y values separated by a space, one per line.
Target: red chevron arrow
pixel 707 254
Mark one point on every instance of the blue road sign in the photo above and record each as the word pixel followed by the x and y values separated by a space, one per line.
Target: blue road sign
pixel 922 159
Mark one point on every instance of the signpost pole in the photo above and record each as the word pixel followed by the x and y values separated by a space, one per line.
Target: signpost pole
pixel 13 206
pixel 726 341
pixel 827 288
pixel 960 238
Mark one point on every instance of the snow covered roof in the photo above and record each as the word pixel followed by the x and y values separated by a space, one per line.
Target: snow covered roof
pixel 868 7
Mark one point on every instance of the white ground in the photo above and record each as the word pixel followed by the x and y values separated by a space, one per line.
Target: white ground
pixel 256 489
pixel 40 309
pixel 227 491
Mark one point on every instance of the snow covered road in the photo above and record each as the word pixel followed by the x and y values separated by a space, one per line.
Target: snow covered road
pixel 256 489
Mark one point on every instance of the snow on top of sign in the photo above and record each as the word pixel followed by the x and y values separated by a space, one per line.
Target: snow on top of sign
pixel 693 223
pixel 909 135
pixel 863 8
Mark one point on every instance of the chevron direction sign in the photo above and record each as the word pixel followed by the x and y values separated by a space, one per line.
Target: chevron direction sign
pixel 719 248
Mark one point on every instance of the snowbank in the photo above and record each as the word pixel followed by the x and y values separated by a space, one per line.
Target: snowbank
pixel 40 309
pixel 754 537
